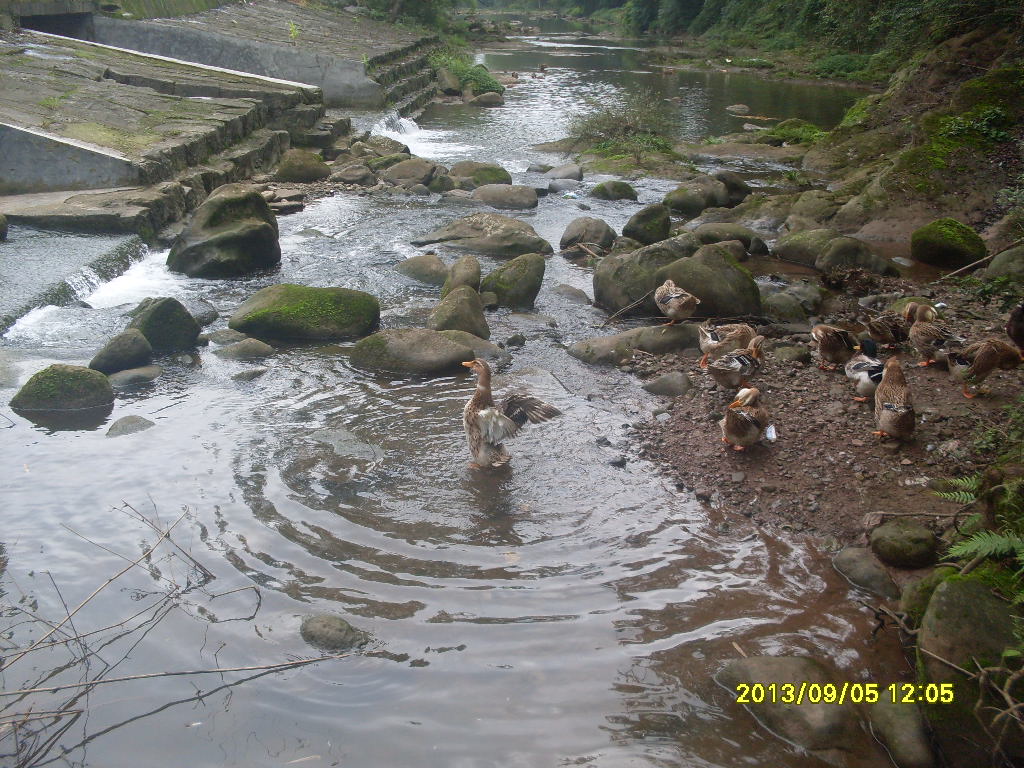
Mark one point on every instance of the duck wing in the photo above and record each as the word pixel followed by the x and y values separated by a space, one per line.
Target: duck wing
pixel 495 426
pixel 519 407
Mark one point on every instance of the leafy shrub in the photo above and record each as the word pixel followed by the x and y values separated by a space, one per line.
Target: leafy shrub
pixel 796 131
pixel 468 74
pixel 988 124
pixel 841 65
pixel 640 124
pixel 753 63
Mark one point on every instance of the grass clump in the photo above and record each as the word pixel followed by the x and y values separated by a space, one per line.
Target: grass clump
pixel 469 75
pixel 796 131
pixel 639 125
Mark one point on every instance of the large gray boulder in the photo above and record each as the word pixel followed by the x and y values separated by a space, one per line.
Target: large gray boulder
pixel 489 99
pixel 569 171
pixel 725 288
pixel 904 543
pixel 480 173
pixel 425 267
pixel 64 388
pixel 517 282
pixel 965 624
pixel 736 187
pixel 507 196
pixel 851 252
pixel 618 348
pixel 417 351
pixel 623 278
pixel 232 233
pixel 804 247
pixel 648 225
pixel 287 311
pixel 829 732
pixel 902 731
pixel 488 233
pixel 1009 263
pixel 301 166
pixel 247 349
pixel 613 190
pixel 385 145
pixel 588 230
pixel 691 197
pixel 862 569
pixel 415 170
pixel 448 83
pixel 135 377
pixel 357 173
pixel 719 232
pixel 482 348
pixel 126 350
pixel 460 310
pixel 465 271
pixel 166 324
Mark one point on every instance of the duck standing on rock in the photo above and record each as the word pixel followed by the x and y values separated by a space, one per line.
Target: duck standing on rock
pixel 734 369
pixel 894 411
pixel 745 420
pixel 932 338
pixel 835 346
pixel 724 338
pixel 488 424
pixel 865 370
pixel 675 303
pixel 1015 328
pixel 973 365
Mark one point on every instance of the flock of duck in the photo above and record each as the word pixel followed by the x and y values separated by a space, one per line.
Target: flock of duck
pixel 733 354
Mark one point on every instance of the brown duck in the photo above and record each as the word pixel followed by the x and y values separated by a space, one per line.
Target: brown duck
pixel 835 346
pixel 487 424
pixel 932 338
pixel 973 365
pixel 674 302
pixel 894 411
pixel 745 420
pixel 724 338
pixel 1015 327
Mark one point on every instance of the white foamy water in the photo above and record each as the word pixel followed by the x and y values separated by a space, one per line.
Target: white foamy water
pixel 149 277
pixel 427 143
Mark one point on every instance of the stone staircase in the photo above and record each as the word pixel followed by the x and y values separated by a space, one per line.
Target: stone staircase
pixel 405 74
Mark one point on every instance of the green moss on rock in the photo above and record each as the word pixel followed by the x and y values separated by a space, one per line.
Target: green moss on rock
pixel 64 388
pixel 302 166
pixel 947 243
pixel 288 311
pixel 516 283
pixel 165 322
pixel 614 190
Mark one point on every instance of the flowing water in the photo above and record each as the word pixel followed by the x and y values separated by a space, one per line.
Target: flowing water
pixel 569 610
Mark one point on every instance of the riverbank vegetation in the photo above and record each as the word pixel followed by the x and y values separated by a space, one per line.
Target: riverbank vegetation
pixel 641 124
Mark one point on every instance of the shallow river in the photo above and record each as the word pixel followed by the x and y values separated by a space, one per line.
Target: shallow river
pixel 567 611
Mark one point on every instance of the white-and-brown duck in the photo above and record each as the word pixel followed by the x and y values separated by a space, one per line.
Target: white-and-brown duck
pixel 864 369
pixel 972 366
pixel 894 409
pixel 674 302
pixel 735 369
pixel 725 338
pixel 835 345
pixel 487 424
pixel 745 420
pixel 932 338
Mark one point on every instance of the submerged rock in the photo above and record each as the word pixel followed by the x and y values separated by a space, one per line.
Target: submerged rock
pixel 247 349
pixel 133 377
pixel 516 283
pixel 232 233
pixel 425 267
pixel 589 230
pixel 62 387
pixel 465 271
pixel 947 243
pixel 126 350
pixel 128 425
pixel 410 351
pixel 166 324
pixel 489 99
pixel 287 311
pixel 648 225
pixel 460 310
pixel 489 233
pixel 332 633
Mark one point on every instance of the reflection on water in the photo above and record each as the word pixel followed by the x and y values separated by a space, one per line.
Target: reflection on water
pixel 565 610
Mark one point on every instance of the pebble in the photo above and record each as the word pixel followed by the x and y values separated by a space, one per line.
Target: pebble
pixel 739 477
pixel 618 461
pixel 906 462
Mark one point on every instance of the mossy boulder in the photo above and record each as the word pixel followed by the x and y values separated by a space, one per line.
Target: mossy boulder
pixel 693 196
pixel 233 233
pixel 904 543
pixel 488 233
pixel 481 173
pixel 481 347
pixel 416 351
pixel 725 288
pixel 946 243
pixel 126 350
pixel 618 348
pixel 461 310
pixel 386 145
pixel 862 569
pixel 409 172
pixel 380 164
pixel 332 633
pixel 587 229
pixel 64 388
pixel 613 190
pixel 301 166
pixel 850 252
pixel 465 271
pixel 287 311
pixel 507 196
pixel 624 278
pixel 737 189
pixel 723 231
pixel 166 324
pixel 784 307
pixel 1009 263
pixel 916 594
pixel 516 283
pixel 441 183
pixel 425 267
pixel 966 625
pixel 804 247
pixel 648 225
pixel 3 227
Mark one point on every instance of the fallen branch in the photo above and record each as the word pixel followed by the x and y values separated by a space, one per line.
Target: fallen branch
pixel 973 264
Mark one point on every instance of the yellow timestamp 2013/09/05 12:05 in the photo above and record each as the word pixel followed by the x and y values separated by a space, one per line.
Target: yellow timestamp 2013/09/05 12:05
pixel 842 693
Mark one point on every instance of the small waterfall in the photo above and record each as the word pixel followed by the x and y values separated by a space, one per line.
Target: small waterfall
pixel 84 282
pixel 392 122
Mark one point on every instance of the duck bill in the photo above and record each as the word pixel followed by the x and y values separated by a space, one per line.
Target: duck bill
pixel 735 403
pixel 468 364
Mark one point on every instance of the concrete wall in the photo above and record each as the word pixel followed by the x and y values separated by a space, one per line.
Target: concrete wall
pixel 34 162
pixel 46 7
pixel 344 82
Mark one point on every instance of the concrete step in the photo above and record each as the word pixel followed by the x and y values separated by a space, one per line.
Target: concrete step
pixel 413 104
pixel 410 84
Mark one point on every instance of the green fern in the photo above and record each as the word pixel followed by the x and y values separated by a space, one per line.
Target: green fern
pixel 970 483
pixel 960 497
pixel 962 490
pixel 989 544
